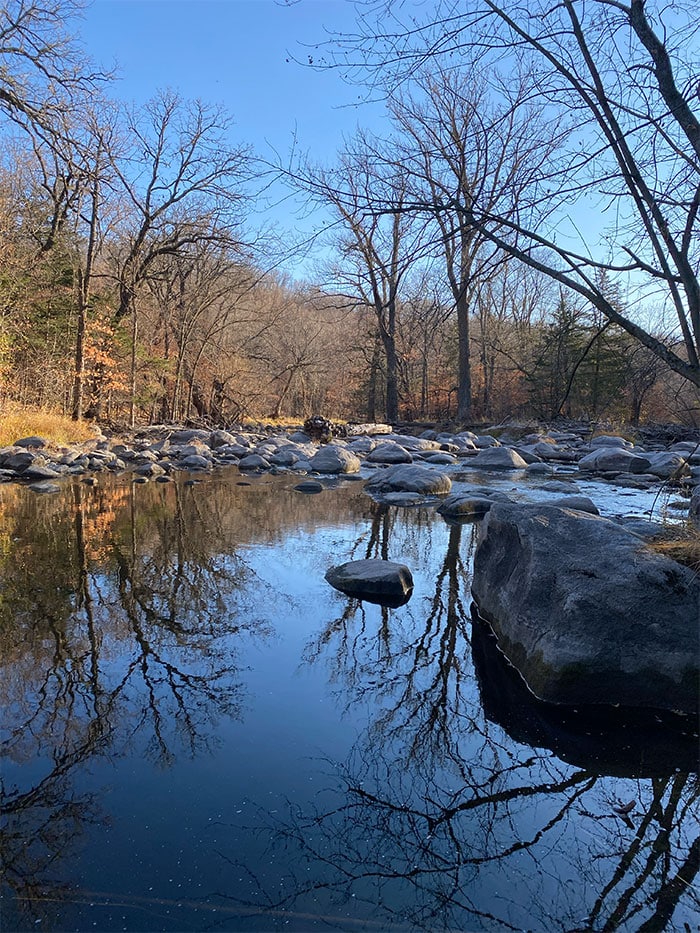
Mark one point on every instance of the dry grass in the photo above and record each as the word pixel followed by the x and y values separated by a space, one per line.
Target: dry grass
pixel 683 547
pixel 282 423
pixel 16 422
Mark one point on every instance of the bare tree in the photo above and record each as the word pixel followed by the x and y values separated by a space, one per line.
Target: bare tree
pixel 461 150
pixel 622 188
pixel 375 248
pixel 44 74
pixel 200 294
pixel 182 186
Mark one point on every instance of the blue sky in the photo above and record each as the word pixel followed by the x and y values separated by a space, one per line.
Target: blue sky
pixel 239 53
pixel 235 52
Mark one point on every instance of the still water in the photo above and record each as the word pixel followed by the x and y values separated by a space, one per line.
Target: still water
pixel 200 734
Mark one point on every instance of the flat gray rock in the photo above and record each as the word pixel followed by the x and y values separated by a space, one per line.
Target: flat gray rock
pixel 374 580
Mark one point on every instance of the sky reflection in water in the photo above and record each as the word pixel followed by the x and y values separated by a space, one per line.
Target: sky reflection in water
pixel 199 733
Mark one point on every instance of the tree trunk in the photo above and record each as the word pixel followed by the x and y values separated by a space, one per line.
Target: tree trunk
pixel 372 393
pixel 464 371
pixel 84 281
pixel 79 375
pixel 392 380
pixel 132 389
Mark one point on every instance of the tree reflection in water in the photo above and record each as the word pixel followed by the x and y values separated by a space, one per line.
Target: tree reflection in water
pixel 119 627
pixel 125 613
pixel 438 820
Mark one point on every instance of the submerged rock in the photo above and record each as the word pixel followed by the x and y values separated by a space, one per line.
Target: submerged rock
pixel 310 487
pixel 585 611
pixel 377 581
pixel 458 507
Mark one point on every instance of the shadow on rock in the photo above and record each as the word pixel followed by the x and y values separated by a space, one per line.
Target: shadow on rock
pixel 624 742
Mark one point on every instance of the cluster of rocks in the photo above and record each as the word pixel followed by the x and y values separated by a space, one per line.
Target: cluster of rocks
pixel 402 468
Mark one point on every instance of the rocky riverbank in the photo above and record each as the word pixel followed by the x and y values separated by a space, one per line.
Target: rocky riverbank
pixel 401 467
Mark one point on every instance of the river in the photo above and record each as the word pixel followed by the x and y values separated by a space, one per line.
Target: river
pixel 199 733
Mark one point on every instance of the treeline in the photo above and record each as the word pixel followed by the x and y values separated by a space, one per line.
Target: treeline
pixel 135 287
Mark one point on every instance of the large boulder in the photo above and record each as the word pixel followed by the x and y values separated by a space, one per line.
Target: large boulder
pixel 666 464
pixel 614 460
pixel 375 580
pixel 389 452
pixel 586 611
pixel 33 441
pixel 18 459
pixel 334 459
pixel 498 458
pixel 409 477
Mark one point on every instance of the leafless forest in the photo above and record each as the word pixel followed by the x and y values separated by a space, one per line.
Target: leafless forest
pixel 137 283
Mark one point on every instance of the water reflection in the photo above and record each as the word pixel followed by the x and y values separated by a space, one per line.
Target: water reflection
pixel 468 852
pixel 133 621
pixel 121 616
pixel 437 820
